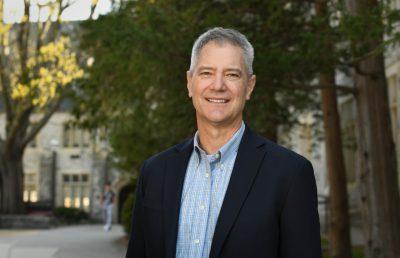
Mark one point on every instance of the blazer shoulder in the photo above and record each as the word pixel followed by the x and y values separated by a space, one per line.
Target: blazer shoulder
pixel 152 168
pixel 281 153
pixel 288 165
pixel 160 158
pixel 288 153
pixel 275 152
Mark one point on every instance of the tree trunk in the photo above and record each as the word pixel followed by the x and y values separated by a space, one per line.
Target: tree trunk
pixel 379 179
pixel 369 207
pixel 339 224
pixel 11 174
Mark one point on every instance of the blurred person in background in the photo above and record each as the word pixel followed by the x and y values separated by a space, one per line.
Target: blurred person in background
pixel 107 201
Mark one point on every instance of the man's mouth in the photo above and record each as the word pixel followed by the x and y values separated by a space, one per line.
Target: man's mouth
pixel 217 100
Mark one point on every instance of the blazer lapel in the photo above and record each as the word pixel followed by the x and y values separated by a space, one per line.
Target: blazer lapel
pixel 248 159
pixel 175 171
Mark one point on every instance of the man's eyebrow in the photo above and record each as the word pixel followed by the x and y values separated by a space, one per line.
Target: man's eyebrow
pixel 234 70
pixel 226 70
pixel 205 68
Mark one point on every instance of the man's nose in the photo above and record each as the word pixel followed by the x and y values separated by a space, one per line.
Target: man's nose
pixel 219 83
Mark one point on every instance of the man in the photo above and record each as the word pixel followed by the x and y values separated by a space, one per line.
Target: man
pixel 107 202
pixel 226 192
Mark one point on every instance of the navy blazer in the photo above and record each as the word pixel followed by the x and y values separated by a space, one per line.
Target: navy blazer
pixel 269 209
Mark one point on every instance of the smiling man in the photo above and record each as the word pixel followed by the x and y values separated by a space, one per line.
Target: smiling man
pixel 226 192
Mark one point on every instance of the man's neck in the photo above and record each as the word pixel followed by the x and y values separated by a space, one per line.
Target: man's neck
pixel 212 138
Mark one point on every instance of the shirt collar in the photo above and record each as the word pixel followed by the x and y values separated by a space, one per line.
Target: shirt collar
pixel 225 151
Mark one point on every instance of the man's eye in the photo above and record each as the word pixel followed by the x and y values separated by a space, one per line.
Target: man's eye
pixel 233 75
pixel 205 73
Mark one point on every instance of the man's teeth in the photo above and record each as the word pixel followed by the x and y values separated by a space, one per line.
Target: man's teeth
pixel 218 100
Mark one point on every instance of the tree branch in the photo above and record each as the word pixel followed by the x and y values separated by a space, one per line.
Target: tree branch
pixel 28 28
pixel 355 62
pixel 53 30
pixel 342 88
pixel 6 90
pixel 17 125
pixel 42 33
pixel 22 49
pixel 63 7
pixel 360 71
pixel 2 143
pixel 93 9
pixel 53 107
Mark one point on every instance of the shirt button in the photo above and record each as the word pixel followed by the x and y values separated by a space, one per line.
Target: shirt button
pixel 207 174
pixel 216 155
pixel 196 241
pixel 202 207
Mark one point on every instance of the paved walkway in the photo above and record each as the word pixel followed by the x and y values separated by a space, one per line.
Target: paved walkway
pixel 87 241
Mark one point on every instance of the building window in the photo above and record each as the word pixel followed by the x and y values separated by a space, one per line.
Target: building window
pixel 76 191
pixel 30 187
pixel 75 137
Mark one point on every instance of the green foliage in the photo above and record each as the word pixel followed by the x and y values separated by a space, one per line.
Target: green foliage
pixel 126 217
pixel 137 84
pixel 70 215
pixel 357 252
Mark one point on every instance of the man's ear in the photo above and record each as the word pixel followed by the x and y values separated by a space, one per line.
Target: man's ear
pixel 251 83
pixel 189 83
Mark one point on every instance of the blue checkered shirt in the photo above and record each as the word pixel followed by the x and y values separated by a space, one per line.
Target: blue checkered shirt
pixel 206 180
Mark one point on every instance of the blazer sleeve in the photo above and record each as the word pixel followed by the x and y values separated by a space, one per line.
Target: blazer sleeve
pixel 299 222
pixel 136 246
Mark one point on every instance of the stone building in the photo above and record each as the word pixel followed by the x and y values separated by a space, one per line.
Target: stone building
pixel 65 166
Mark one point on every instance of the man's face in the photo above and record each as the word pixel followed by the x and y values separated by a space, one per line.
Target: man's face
pixel 219 84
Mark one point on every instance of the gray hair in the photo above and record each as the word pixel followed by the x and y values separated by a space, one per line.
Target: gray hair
pixel 220 36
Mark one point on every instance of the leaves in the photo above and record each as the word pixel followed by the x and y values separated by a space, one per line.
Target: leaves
pixel 137 83
pixel 54 67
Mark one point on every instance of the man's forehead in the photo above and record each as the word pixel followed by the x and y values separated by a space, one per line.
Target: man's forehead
pixel 207 55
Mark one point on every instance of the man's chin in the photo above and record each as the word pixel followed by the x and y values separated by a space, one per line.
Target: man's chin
pixel 218 121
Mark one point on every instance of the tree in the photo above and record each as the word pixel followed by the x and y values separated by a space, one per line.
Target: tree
pixel 378 178
pixel 347 45
pixel 339 222
pixel 137 82
pixel 37 68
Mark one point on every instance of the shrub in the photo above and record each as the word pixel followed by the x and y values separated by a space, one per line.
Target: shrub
pixel 127 209
pixel 70 215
